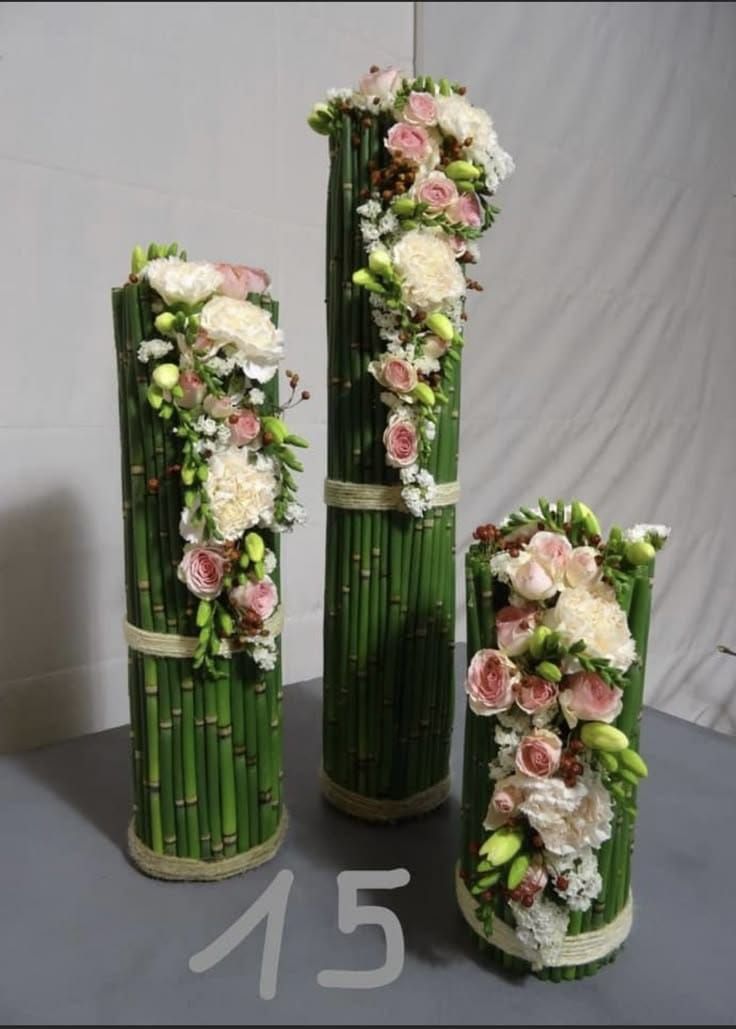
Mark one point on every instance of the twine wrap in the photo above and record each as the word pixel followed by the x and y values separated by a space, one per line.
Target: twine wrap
pixel 366 496
pixel 181 869
pixel 576 950
pixel 165 644
pixel 371 809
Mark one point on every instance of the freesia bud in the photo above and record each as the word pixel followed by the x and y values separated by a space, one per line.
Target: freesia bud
pixel 640 553
pixel 188 473
pixel 634 763
pixel 362 277
pixel 462 170
pixel 165 323
pixel 380 263
pixel 599 736
pixel 154 398
pixel 404 207
pixel 517 870
pixel 589 520
pixel 137 260
pixel 549 671
pixel 628 777
pixel 166 376
pixel 424 394
pixel 465 187
pixel 502 846
pixel 536 643
pixel 609 762
pixel 255 547
pixel 319 119
pixel 275 427
pixel 440 325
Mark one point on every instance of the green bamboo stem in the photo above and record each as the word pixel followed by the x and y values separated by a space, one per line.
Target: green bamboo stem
pixel 239 753
pixel 266 821
pixel 251 748
pixel 275 695
pixel 203 796
pixel 226 764
pixel 212 754
pixel 189 765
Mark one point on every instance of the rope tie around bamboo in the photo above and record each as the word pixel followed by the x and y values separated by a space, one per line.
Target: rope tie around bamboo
pixel 365 496
pixel 165 644
pixel 576 950
pixel 160 866
pixel 372 809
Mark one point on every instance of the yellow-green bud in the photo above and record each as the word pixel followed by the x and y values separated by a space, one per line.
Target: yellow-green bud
pixel 445 88
pixel 188 473
pixel 362 277
pixel 589 520
pixel 465 187
pixel 549 671
pixel 634 762
pixel 462 170
pixel 260 569
pixel 244 560
pixel 640 553
pixel 203 473
pixel 380 263
pixel 255 546
pixel 599 736
pixel 628 776
pixel 166 376
pixel 440 325
pixel 488 880
pixel 137 260
pixel 319 119
pixel 404 207
pixel 410 223
pixel 226 623
pixel 154 398
pixel 502 846
pixel 165 322
pixel 536 643
pixel 609 762
pixel 275 427
pixel 204 613
pixel 517 870
pixel 424 394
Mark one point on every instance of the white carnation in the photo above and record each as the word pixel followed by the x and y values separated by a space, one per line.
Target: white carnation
pixel 568 818
pixel 153 348
pixel 246 332
pixel 241 491
pixel 430 276
pixel 596 617
pixel 182 282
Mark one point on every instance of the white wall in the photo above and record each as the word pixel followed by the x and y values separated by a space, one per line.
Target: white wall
pixel 122 123
pixel 602 356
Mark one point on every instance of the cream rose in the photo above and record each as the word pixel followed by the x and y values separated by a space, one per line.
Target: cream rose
pixel 248 334
pixel 241 491
pixel 182 282
pixel 596 617
pixel 430 276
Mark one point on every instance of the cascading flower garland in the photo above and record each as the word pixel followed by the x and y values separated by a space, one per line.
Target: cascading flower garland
pixel 428 204
pixel 216 348
pixel 554 684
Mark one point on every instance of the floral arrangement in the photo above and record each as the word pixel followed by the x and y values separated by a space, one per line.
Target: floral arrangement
pixel 427 203
pixel 567 615
pixel 215 350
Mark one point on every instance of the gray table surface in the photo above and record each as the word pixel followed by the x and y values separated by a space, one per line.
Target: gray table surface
pixel 84 938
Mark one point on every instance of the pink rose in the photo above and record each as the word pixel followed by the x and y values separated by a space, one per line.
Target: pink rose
pixel 201 570
pixel 467 210
pixel 218 407
pixel 420 109
pixel 534 693
pixel 552 550
pixel 194 390
pixel 538 754
pixel 514 628
pixel 587 697
pixel 582 568
pixel 533 883
pixel 409 142
pixel 532 582
pixel 437 191
pixel 380 82
pixel 262 597
pixel 244 427
pixel 504 802
pixel 490 682
pixel 238 280
pixel 401 443
pixel 398 375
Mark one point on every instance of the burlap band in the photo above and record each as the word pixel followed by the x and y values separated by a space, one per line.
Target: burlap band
pixel 576 950
pixel 165 866
pixel 373 809
pixel 366 496
pixel 165 644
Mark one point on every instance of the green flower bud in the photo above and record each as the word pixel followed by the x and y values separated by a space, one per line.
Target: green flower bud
pixel 275 427
pixel 517 870
pixel 226 623
pixel 255 547
pixel 362 277
pixel 172 249
pixel 634 762
pixel 462 170
pixel 154 398
pixel 296 441
pixel 424 394
pixel 190 498
pixel 259 569
pixel 549 671
pixel 244 560
pixel 537 641
pixel 608 761
pixel 319 119
pixel 590 522
pixel 203 473
pixel 628 776
pixel 137 260
pixel 619 791
pixel 502 846
pixel 640 553
pixel 410 223
pixel 166 412
pixel 204 614
pixel 188 473
pixel 403 207
pixel 615 536
pixel 487 881
pixel 165 323
pixel 440 325
pixel 599 736
pixel 465 187
pixel 445 88
pixel 166 376
pixel 290 459
pixel 379 263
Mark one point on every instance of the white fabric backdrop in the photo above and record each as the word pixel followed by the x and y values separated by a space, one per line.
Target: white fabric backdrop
pixel 120 123
pixel 602 355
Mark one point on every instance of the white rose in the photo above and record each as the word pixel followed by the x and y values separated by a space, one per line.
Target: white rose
pixel 596 617
pixel 182 282
pixel 430 276
pixel 241 491
pixel 248 334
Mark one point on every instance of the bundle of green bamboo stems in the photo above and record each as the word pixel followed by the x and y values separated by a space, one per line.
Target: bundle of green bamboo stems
pixel 484 598
pixel 390 577
pixel 206 753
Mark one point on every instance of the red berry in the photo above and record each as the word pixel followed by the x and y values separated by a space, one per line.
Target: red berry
pixel 527 901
